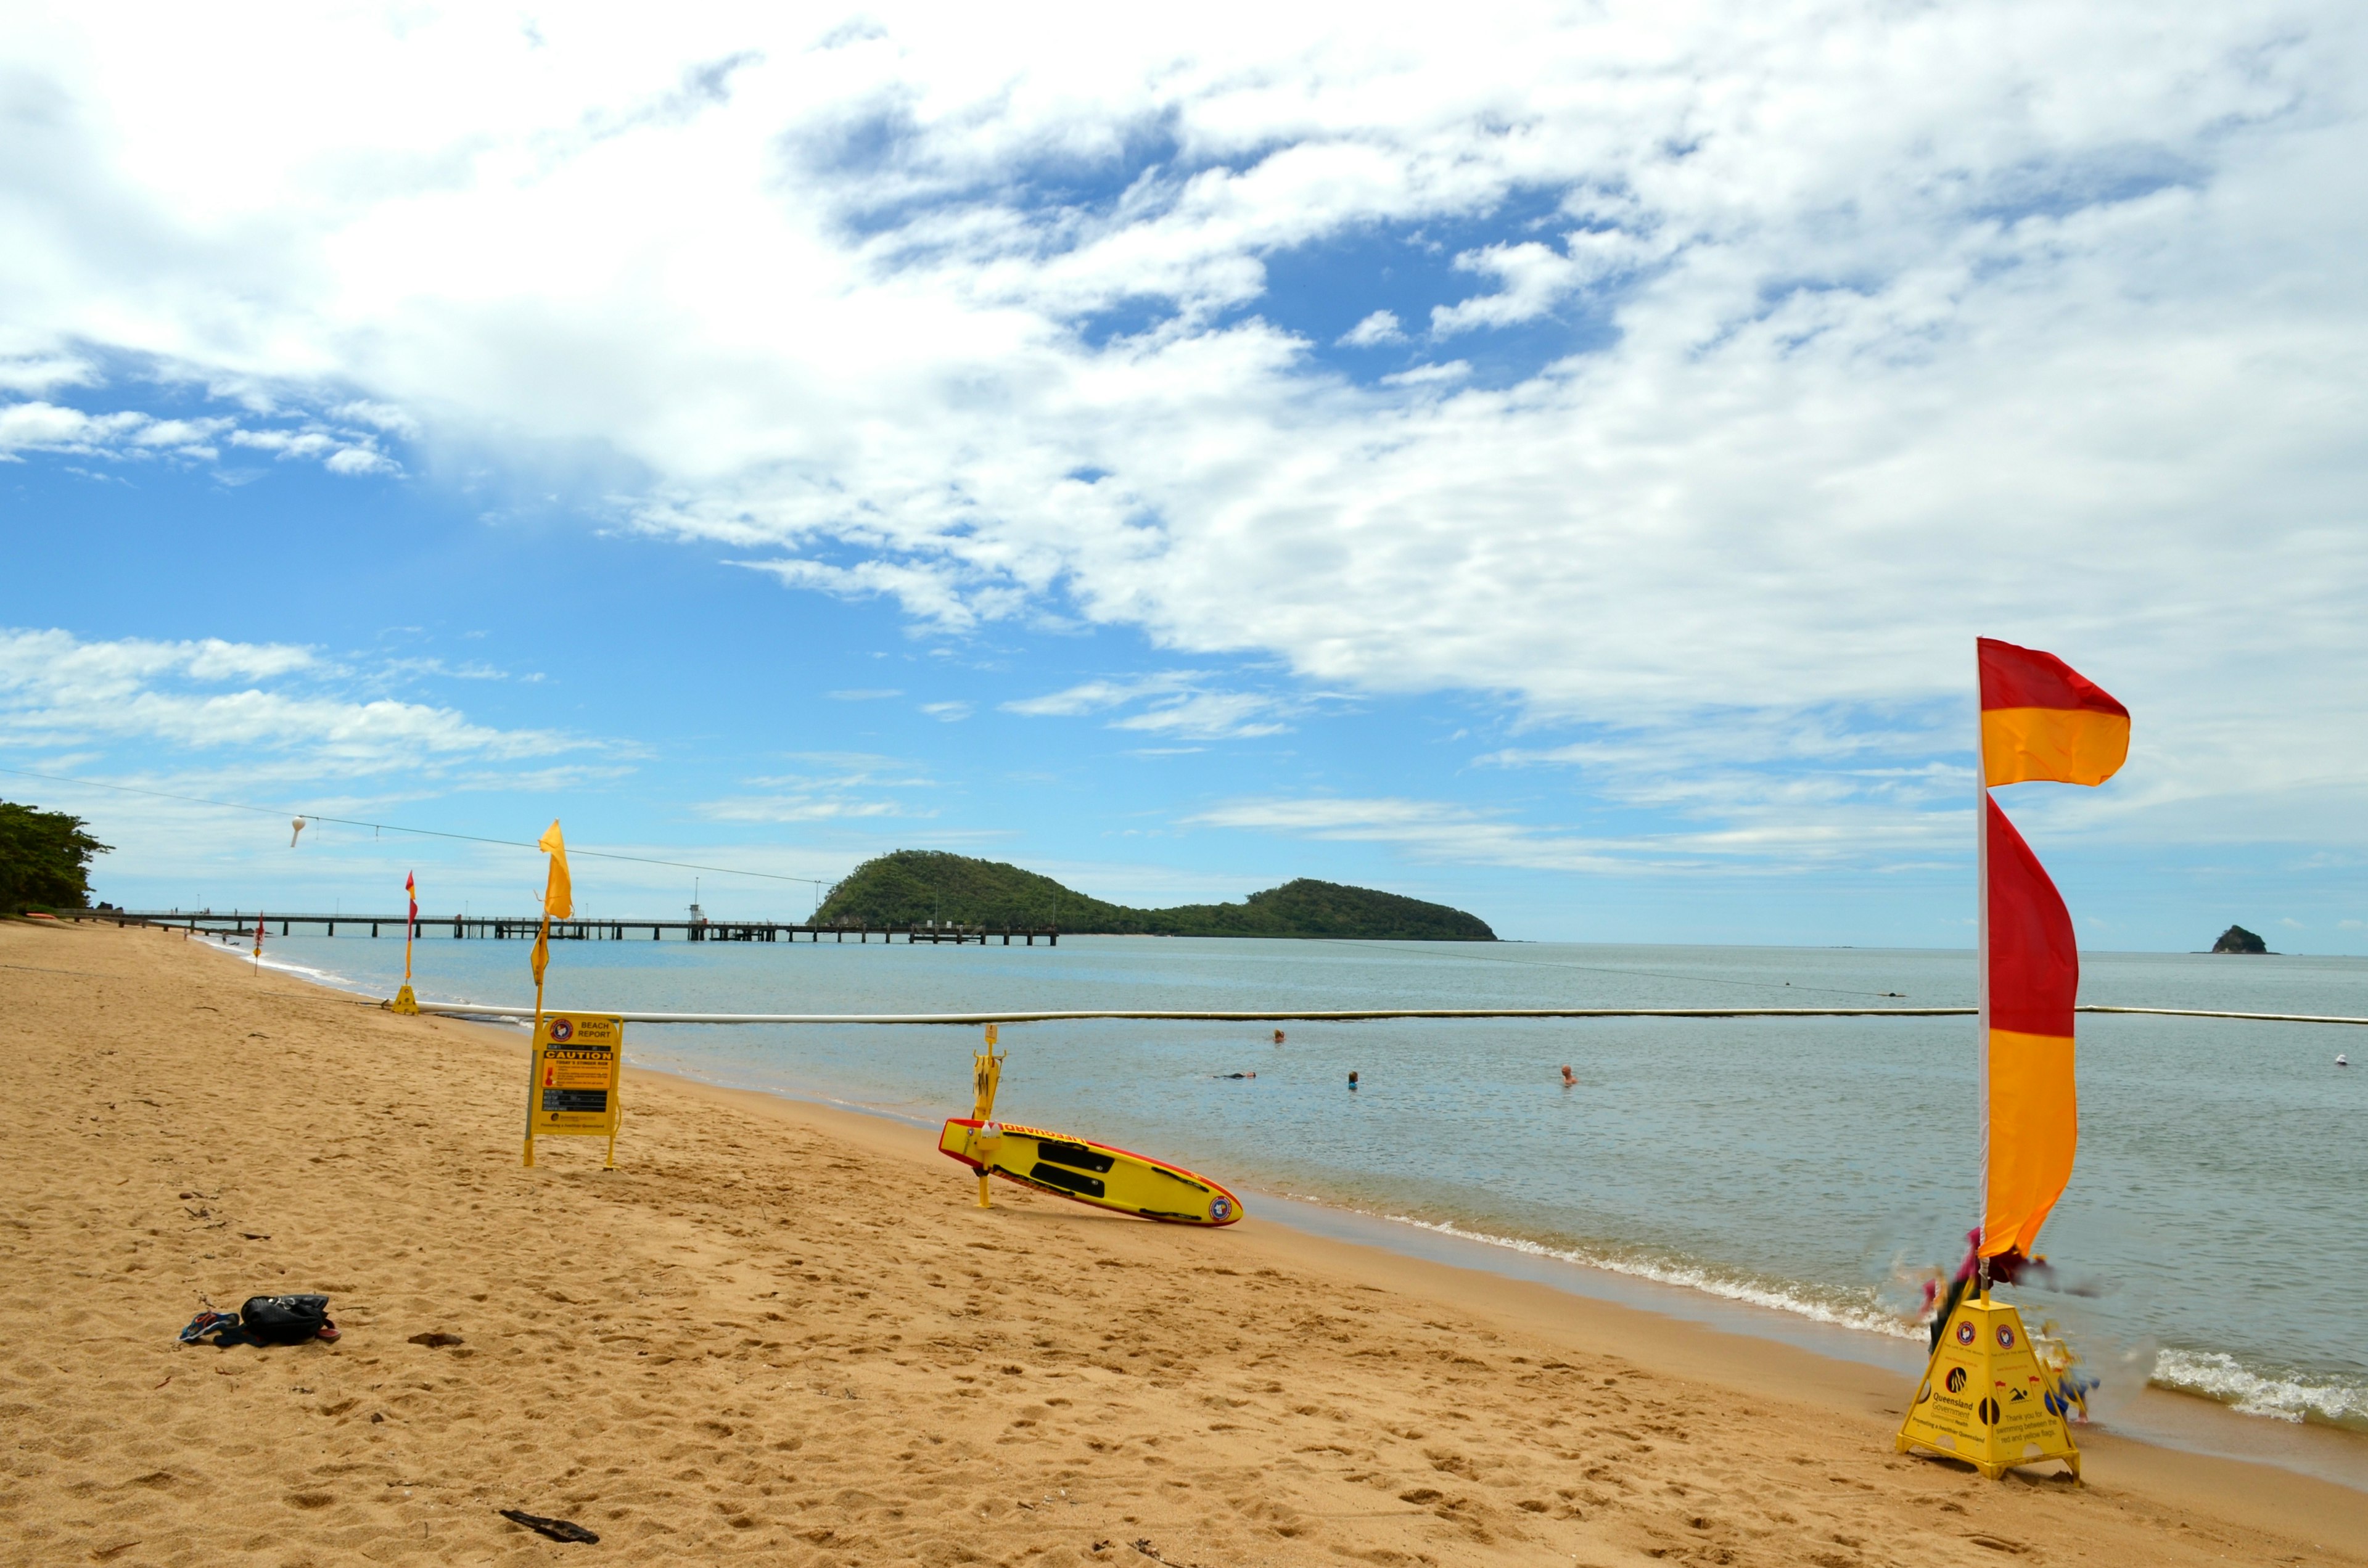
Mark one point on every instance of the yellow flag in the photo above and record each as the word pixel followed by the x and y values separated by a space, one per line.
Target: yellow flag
pixel 558 892
pixel 541 959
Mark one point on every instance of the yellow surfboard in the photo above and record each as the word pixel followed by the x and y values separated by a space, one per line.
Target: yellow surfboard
pixel 1089 1172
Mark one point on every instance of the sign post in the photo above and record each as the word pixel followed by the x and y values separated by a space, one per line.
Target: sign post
pixel 558 898
pixel 578 1066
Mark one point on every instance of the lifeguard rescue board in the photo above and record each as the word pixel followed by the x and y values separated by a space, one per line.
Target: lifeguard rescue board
pixel 1090 1173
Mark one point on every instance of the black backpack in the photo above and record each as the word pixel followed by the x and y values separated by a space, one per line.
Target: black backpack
pixel 284 1320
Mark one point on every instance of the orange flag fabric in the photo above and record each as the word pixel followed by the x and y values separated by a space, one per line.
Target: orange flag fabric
pixel 558 889
pixel 2042 720
pixel 2030 1115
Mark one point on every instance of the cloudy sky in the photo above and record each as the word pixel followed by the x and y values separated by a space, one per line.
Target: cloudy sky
pixel 1551 460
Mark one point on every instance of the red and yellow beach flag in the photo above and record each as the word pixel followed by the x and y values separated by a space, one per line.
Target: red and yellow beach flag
pixel 2030 1115
pixel 2042 720
pixel 404 1002
pixel 1985 1398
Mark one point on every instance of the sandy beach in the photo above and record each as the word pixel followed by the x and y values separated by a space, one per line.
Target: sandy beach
pixel 785 1334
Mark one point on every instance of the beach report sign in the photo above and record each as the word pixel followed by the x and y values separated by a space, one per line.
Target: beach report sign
pixel 578 1060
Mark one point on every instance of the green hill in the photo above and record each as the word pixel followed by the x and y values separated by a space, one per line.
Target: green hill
pixel 913 886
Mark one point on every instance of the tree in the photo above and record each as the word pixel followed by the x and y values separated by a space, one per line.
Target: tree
pixel 44 859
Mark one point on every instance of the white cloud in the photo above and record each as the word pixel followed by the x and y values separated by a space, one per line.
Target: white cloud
pixel 39 373
pixel 1442 374
pixel 1169 702
pixel 1211 715
pixel 1904 324
pixel 1095 696
pixel 1380 327
pixel 48 427
pixel 57 691
pixel 800 808
pixel 947 712
pixel 1534 279
pixel 42 426
pixel 1444 831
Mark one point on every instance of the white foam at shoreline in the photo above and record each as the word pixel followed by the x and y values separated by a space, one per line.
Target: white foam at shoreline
pixel 2223 1377
pixel 2211 1374
pixel 1869 1318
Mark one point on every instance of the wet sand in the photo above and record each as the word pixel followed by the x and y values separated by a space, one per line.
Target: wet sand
pixel 786 1333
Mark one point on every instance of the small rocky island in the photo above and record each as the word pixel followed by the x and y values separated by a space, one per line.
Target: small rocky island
pixel 2236 939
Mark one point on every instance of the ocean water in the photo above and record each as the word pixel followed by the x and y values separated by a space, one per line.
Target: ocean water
pixel 2212 1241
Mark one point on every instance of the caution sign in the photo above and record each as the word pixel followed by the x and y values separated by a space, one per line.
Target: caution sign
pixel 1985 1398
pixel 578 1063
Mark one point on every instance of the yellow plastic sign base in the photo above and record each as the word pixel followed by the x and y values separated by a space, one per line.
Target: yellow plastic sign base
pixel 405 1003
pixel 1985 1399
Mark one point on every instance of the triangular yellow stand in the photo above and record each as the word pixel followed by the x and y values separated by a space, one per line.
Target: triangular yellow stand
pixel 404 1002
pixel 1985 1399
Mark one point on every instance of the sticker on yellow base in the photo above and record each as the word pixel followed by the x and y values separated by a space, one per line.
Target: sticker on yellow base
pixel 578 1060
pixel 1985 1398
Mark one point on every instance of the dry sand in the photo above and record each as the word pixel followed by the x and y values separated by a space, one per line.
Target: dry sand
pixel 786 1334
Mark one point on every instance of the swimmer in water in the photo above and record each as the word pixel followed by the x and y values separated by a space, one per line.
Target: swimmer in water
pixel 1352 1080
pixel 1569 1079
pixel 1232 1075
pixel 2344 1060
pixel 1278 1037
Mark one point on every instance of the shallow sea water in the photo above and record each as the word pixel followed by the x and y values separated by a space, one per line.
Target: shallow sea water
pixel 2212 1235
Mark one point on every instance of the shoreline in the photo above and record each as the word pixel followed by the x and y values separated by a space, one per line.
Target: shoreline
pixel 2160 1415
pixel 784 1331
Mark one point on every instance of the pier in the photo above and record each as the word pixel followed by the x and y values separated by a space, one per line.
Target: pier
pixel 514 928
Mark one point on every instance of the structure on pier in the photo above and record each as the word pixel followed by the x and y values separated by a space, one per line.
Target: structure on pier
pixel 496 928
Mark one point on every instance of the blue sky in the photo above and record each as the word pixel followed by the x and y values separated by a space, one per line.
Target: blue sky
pixel 1558 471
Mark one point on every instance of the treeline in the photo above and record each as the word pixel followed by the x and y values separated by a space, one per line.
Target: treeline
pixel 44 859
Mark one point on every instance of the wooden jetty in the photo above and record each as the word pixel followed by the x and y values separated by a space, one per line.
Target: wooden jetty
pixel 499 928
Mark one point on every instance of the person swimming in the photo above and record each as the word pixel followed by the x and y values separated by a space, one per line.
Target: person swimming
pixel 1278 1037
pixel 1352 1078
pixel 1569 1079
pixel 1232 1075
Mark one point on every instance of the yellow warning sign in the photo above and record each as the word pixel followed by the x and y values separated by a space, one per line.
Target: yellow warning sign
pixel 578 1063
pixel 1986 1399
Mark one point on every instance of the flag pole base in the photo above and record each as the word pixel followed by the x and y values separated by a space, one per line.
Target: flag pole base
pixel 1987 1397
pixel 404 1003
